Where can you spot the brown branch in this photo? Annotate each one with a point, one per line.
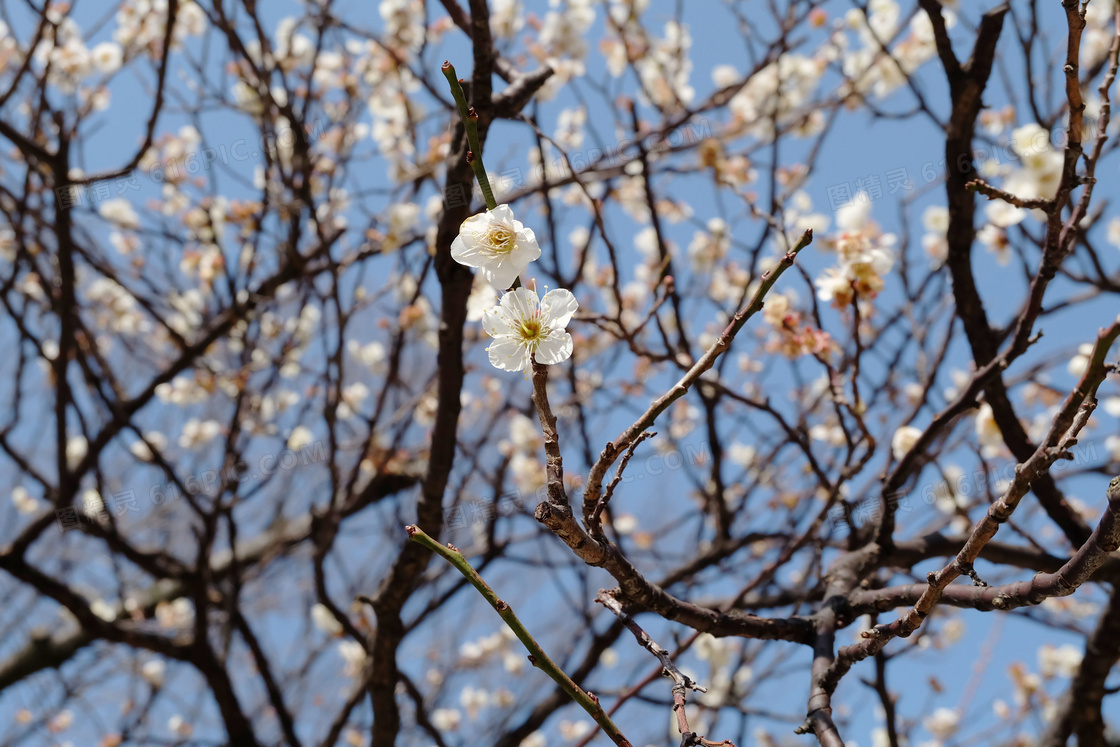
(681, 682)
(594, 521)
(1079, 708)
(1062, 435)
(455, 286)
(995, 193)
(966, 86)
(157, 107)
(722, 344)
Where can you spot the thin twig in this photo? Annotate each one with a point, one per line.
(470, 122)
(681, 682)
(594, 523)
(537, 656)
(720, 346)
(1071, 419)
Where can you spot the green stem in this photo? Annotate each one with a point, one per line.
(537, 656)
(470, 122)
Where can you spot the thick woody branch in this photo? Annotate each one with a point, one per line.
(1079, 708)
(941, 37)
(556, 512)
(455, 286)
(509, 103)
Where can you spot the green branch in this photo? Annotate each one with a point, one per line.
(537, 656)
(470, 122)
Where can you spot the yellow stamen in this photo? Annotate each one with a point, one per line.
(501, 239)
(531, 330)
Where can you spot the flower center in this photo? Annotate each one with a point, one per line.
(532, 331)
(500, 239)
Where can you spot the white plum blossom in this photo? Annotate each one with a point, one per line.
(177, 615)
(76, 448)
(526, 328)
(1063, 661)
(198, 433)
(935, 220)
(497, 244)
(107, 57)
(177, 725)
(400, 220)
(153, 672)
(506, 18)
(119, 211)
(709, 247)
(943, 723)
(482, 297)
(570, 731)
(299, 437)
(758, 106)
(353, 395)
(446, 719)
(904, 440)
(864, 252)
(625, 523)
(61, 722)
(404, 20)
(742, 454)
(24, 502)
(1112, 406)
(325, 620)
(354, 654)
(987, 431)
(1114, 232)
(141, 449)
(995, 238)
(372, 355)
(866, 66)
(1037, 177)
(1080, 362)
(1003, 214)
(473, 700)
(536, 739)
(103, 609)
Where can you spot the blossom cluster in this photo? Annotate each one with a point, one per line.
(865, 255)
(525, 327)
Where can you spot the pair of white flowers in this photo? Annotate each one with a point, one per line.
(524, 327)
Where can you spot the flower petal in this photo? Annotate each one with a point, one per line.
(502, 214)
(520, 303)
(496, 322)
(507, 354)
(475, 225)
(557, 347)
(502, 273)
(557, 308)
(527, 244)
(464, 253)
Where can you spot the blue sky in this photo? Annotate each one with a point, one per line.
(973, 672)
